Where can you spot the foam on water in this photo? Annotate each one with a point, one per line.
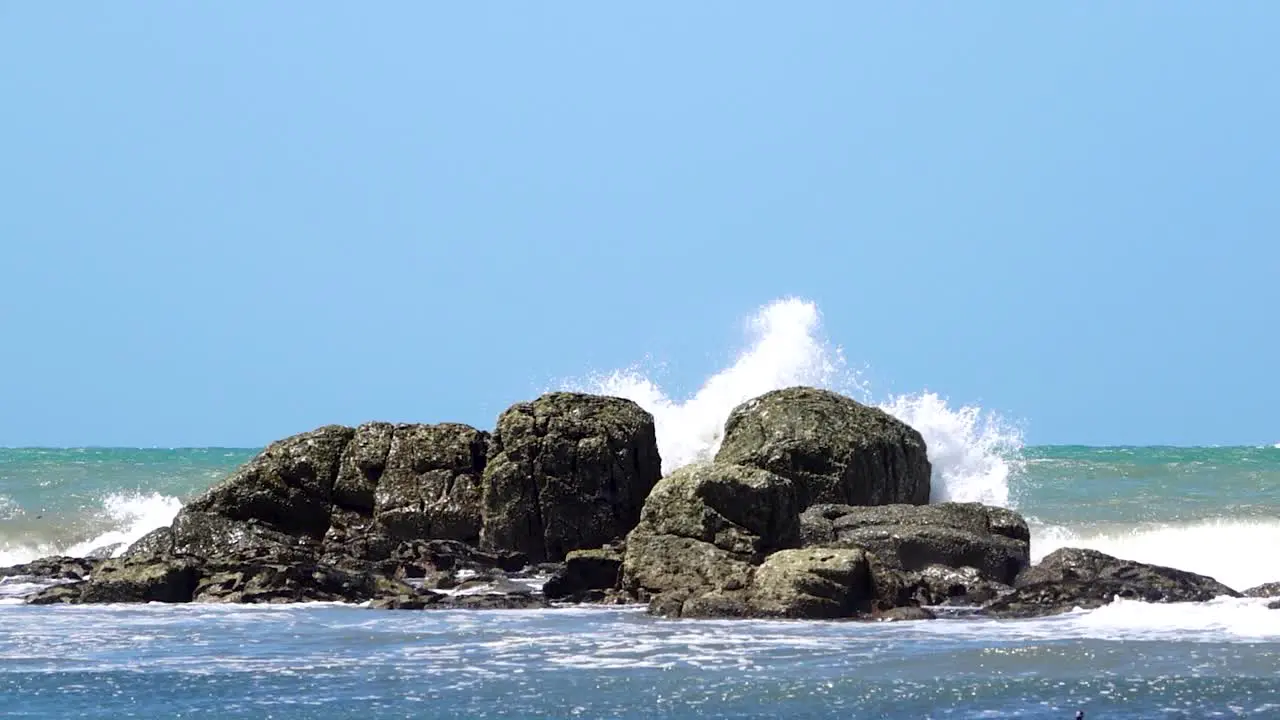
(130, 516)
(1217, 548)
(973, 452)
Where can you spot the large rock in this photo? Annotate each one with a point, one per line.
(704, 528)
(567, 471)
(1072, 578)
(994, 541)
(811, 583)
(358, 491)
(836, 449)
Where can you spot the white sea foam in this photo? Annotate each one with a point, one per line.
(1235, 552)
(973, 452)
(130, 516)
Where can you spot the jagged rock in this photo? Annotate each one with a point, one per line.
(811, 583)
(835, 449)
(363, 463)
(567, 471)
(911, 538)
(705, 527)
(431, 485)
(583, 573)
(1071, 577)
(58, 567)
(1266, 590)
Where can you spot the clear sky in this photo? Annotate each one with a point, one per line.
(222, 223)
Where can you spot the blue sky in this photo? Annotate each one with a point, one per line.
(224, 223)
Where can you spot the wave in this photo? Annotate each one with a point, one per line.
(126, 517)
(1234, 552)
(974, 452)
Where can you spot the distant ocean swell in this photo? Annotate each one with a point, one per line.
(1194, 509)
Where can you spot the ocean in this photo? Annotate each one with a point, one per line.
(1214, 511)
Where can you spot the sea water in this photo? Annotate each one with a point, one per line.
(1209, 510)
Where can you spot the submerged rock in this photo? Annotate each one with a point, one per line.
(567, 471)
(1072, 578)
(834, 448)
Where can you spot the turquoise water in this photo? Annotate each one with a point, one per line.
(1213, 510)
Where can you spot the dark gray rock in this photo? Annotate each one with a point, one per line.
(567, 471)
(834, 448)
(583, 573)
(1072, 577)
(58, 567)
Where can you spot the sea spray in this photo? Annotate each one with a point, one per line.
(128, 516)
(973, 452)
(784, 350)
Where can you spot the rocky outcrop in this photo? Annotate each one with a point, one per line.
(567, 471)
(703, 530)
(1072, 578)
(834, 448)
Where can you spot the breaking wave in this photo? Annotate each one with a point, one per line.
(974, 452)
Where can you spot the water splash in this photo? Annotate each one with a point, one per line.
(129, 515)
(973, 452)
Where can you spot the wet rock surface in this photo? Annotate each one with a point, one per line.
(1076, 578)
